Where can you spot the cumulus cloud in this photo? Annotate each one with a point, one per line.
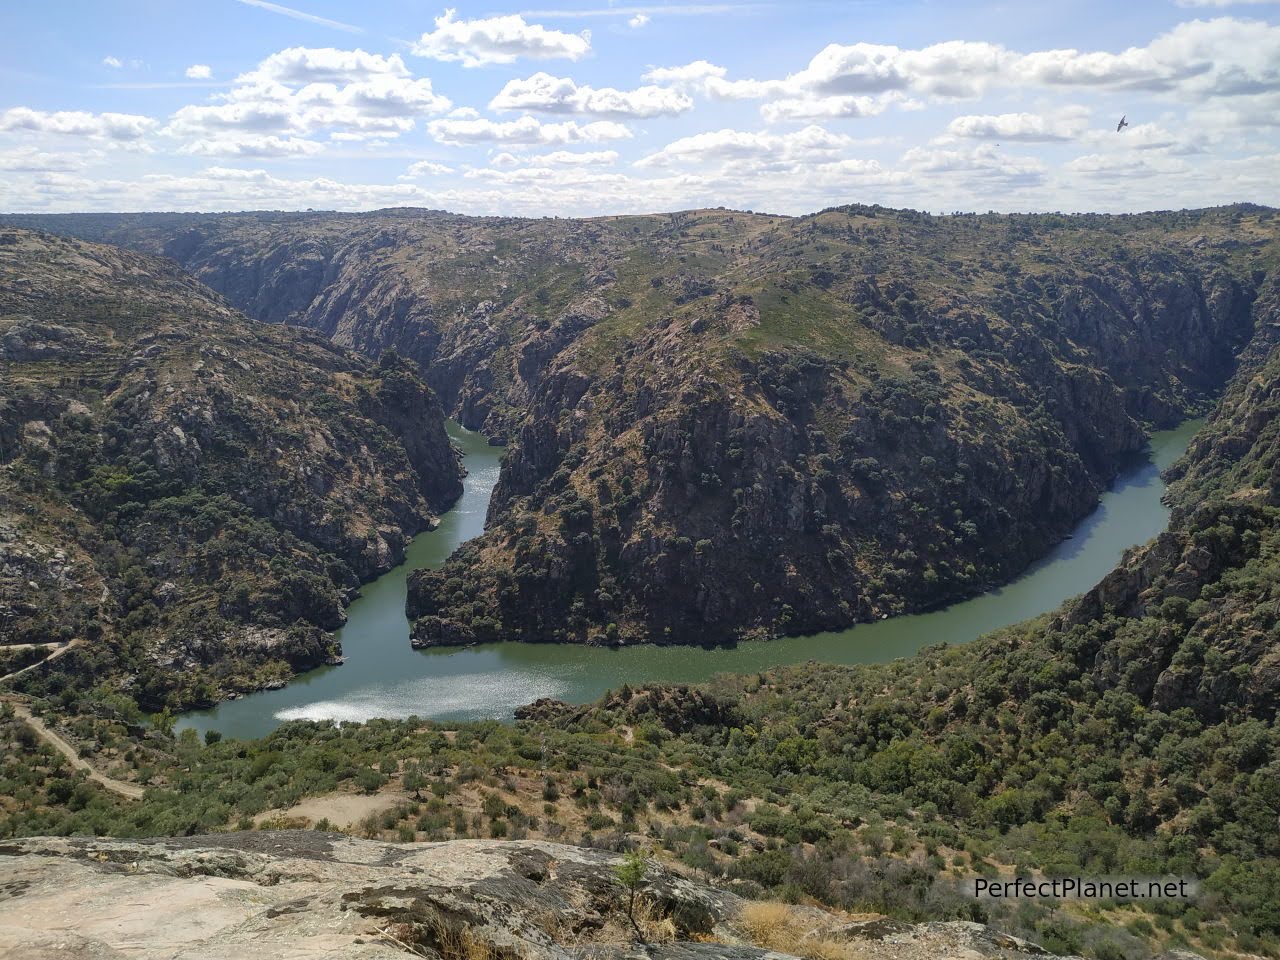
(115, 63)
(121, 127)
(816, 108)
(638, 21)
(525, 130)
(504, 39)
(302, 65)
(1113, 167)
(809, 145)
(251, 147)
(1194, 61)
(558, 158)
(693, 74)
(1068, 123)
(199, 71)
(544, 93)
(425, 168)
(981, 163)
(300, 91)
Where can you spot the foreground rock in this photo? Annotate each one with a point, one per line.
(296, 894)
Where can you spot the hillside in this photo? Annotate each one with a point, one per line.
(725, 424)
(188, 498)
(1134, 731)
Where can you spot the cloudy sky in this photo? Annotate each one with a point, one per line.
(583, 108)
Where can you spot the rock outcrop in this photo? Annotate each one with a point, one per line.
(300, 894)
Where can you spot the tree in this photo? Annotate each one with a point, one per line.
(413, 779)
(631, 872)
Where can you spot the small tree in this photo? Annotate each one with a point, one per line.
(413, 779)
(631, 873)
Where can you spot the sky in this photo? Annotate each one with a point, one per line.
(583, 107)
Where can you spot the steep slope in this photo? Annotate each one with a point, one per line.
(186, 495)
(726, 424)
(875, 419)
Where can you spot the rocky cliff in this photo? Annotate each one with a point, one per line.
(188, 496)
(297, 894)
(726, 424)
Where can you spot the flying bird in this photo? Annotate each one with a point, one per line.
(1122, 124)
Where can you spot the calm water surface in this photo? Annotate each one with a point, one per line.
(385, 677)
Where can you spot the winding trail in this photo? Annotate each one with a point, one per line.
(59, 649)
(130, 791)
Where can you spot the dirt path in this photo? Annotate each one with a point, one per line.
(61, 649)
(130, 791)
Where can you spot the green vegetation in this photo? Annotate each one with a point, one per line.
(1133, 731)
(189, 498)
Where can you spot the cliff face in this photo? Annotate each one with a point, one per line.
(740, 469)
(188, 495)
(723, 424)
(293, 894)
(1189, 620)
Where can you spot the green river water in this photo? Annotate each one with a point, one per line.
(384, 677)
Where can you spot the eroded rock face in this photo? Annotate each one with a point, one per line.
(304, 894)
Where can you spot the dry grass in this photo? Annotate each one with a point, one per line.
(776, 926)
(655, 927)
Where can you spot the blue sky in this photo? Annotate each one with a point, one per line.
(574, 108)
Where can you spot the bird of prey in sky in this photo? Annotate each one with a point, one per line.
(1122, 124)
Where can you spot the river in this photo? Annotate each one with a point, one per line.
(384, 677)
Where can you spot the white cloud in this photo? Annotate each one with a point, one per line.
(115, 63)
(29, 160)
(1119, 167)
(199, 71)
(1067, 123)
(525, 130)
(300, 91)
(1148, 137)
(78, 123)
(303, 65)
(693, 74)
(638, 21)
(544, 93)
(1194, 61)
(502, 39)
(251, 147)
(558, 158)
(425, 168)
(812, 144)
(982, 163)
(815, 108)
